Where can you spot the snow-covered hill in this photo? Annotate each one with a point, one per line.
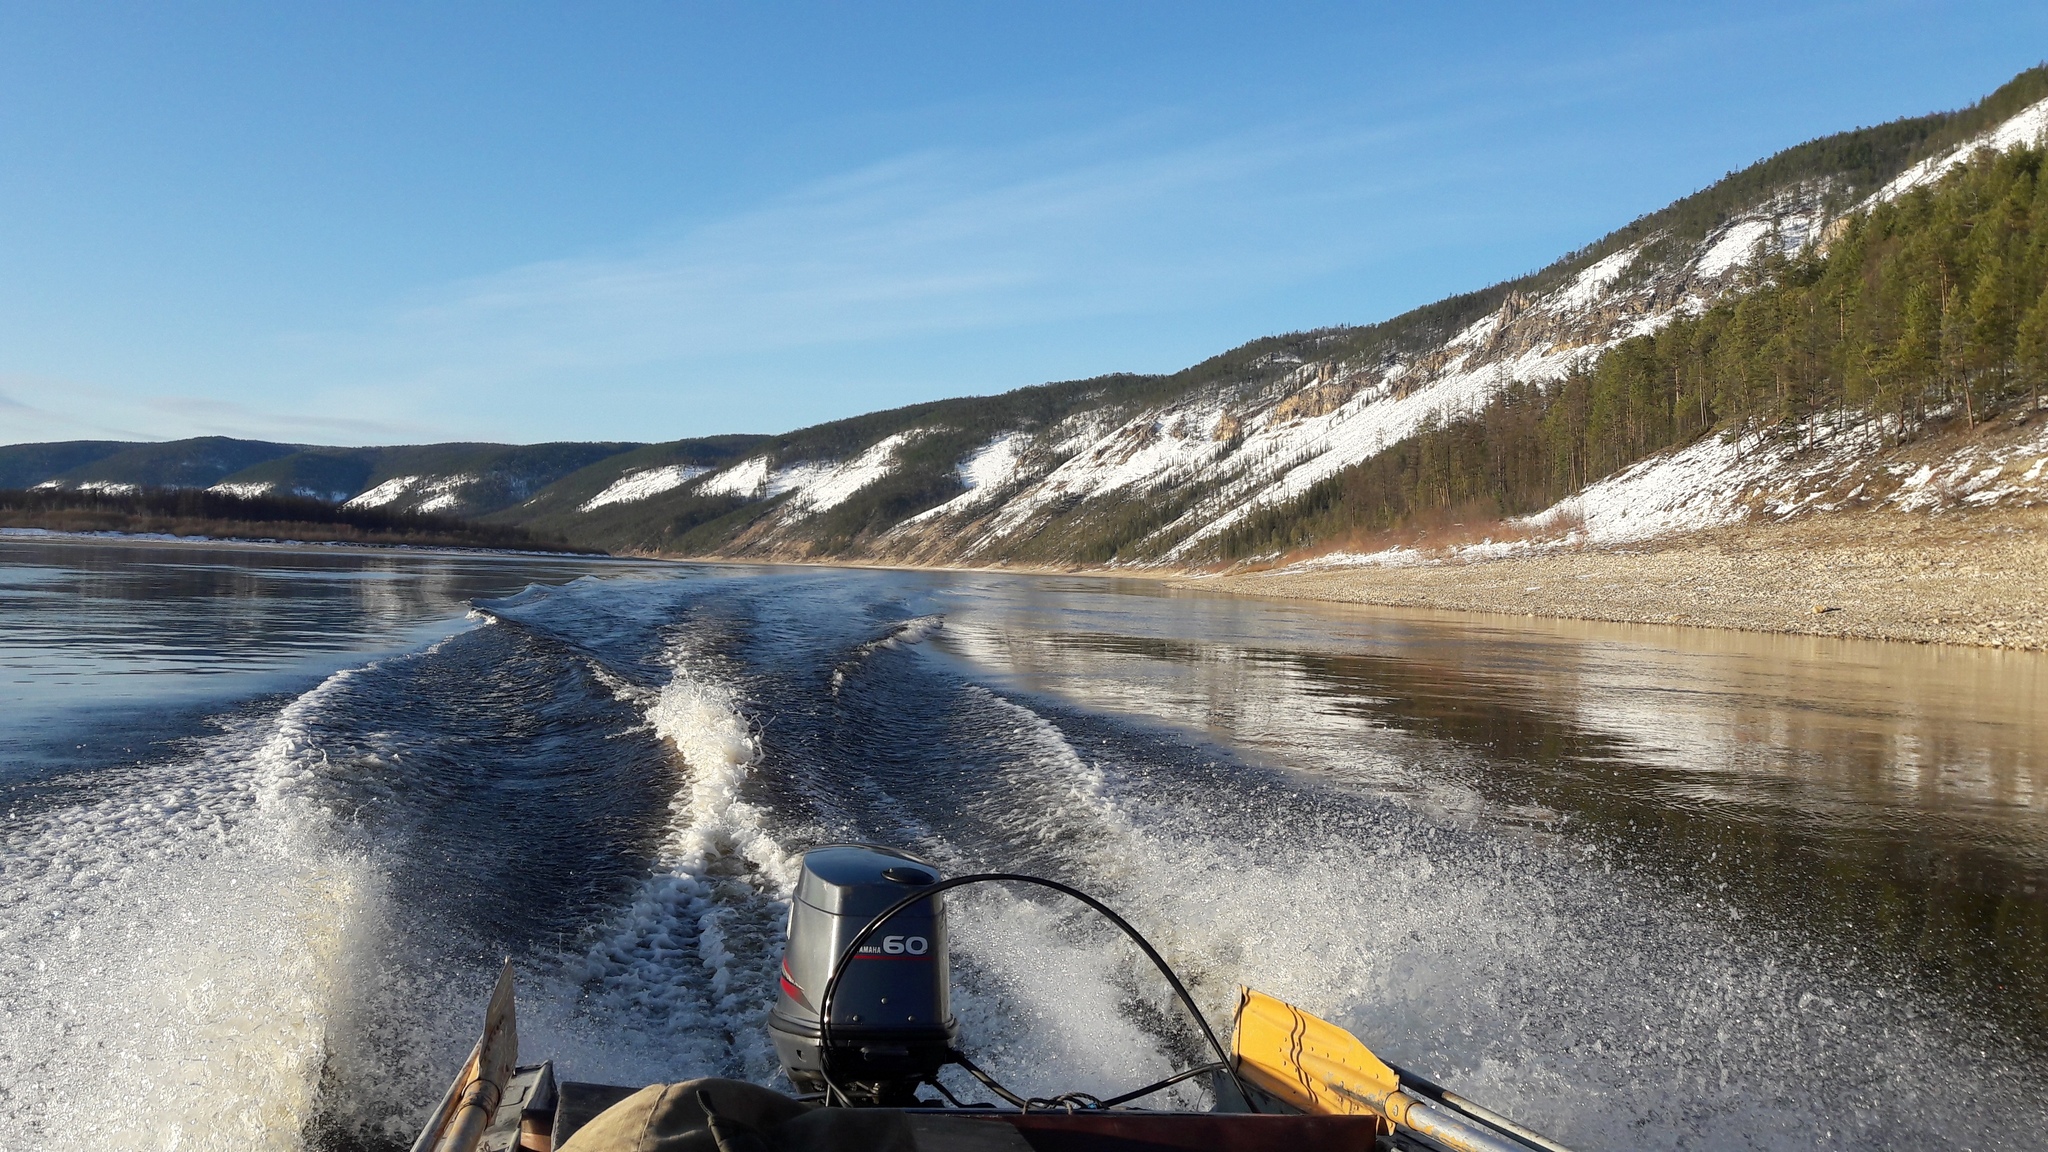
(1171, 475)
(447, 479)
(1162, 469)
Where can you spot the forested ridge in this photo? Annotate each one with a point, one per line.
(202, 512)
(1926, 312)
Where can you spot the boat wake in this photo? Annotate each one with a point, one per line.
(175, 949)
(684, 971)
(278, 934)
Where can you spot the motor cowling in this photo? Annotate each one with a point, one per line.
(892, 1014)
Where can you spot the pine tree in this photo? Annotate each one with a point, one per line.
(2033, 348)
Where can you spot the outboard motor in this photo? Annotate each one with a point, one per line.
(892, 1014)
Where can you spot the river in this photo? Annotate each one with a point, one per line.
(270, 817)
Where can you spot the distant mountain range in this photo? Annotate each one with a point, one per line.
(1171, 469)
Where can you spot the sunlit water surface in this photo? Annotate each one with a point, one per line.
(270, 817)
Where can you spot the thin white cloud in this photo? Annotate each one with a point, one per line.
(708, 316)
(64, 410)
(941, 241)
(68, 410)
(218, 417)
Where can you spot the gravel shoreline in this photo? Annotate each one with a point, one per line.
(1978, 579)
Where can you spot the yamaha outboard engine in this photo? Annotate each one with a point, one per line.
(892, 1014)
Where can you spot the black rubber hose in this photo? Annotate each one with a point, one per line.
(875, 925)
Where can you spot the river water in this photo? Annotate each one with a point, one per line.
(270, 817)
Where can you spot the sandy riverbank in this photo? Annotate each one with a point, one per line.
(1980, 579)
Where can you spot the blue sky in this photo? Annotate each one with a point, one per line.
(376, 224)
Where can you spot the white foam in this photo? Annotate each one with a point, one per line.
(1538, 973)
(1043, 990)
(176, 949)
(689, 961)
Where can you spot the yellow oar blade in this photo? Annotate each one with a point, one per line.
(1313, 1066)
(1310, 1064)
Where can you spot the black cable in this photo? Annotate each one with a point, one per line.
(1071, 1101)
(1091, 1102)
(948, 1094)
(846, 959)
(974, 1070)
(1169, 1082)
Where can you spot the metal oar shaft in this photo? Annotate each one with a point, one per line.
(479, 1104)
(1430, 1089)
(429, 1136)
(1448, 1128)
(472, 1101)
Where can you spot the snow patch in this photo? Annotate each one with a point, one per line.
(441, 493)
(1374, 420)
(824, 486)
(1384, 558)
(996, 463)
(1716, 482)
(384, 493)
(987, 472)
(2028, 129)
(1696, 487)
(1079, 431)
(748, 479)
(1164, 446)
(1592, 283)
(246, 489)
(818, 485)
(1502, 549)
(1477, 333)
(643, 484)
(1733, 248)
(1404, 556)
